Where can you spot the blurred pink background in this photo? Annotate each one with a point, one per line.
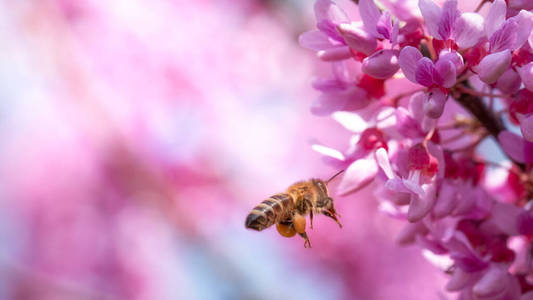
(137, 135)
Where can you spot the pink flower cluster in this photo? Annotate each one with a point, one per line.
(464, 77)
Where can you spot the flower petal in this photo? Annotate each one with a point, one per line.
(328, 16)
(527, 296)
(416, 105)
(449, 15)
(384, 25)
(493, 66)
(406, 125)
(526, 73)
(447, 72)
(409, 56)
(329, 152)
(316, 40)
(357, 175)
(419, 207)
(327, 103)
(509, 82)
(357, 38)
(469, 29)
(460, 279)
(513, 145)
(446, 200)
(504, 216)
(335, 53)
(496, 16)
(521, 4)
(432, 15)
(455, 57)
(504, 37)
(434, 106)
(408, 234)
(412, 183)
(493, 283)
(525, 223)
(425, 72)
(524, 19)
(370, 15)
(526, 127)
(382, 64)
(350, 121)
(395, 32)
(400, 190)
(328, 85)
(382, 158)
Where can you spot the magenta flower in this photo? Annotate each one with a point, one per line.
(462, 206)
(448, 23)
(504, 37)
(436, 76)
(339, 93)
(384, 63)
(419, 182)
(326, 40)
(359, 161)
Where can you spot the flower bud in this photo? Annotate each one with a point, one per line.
(493, 66)
(357, 38)
(382, 64)
(435, 102)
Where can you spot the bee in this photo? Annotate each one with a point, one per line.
(288, 210)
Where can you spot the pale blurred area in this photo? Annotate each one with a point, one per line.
(135, 136)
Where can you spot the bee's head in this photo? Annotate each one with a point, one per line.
(325, 205)
(322, 188)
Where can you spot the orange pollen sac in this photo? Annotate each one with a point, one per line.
(299, 223)
(285, 230)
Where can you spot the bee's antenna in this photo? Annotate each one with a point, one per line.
(332, 177)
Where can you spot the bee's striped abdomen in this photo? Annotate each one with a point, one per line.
(270, 211)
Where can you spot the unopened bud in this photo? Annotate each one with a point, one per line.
(493, 66)
(382, 64)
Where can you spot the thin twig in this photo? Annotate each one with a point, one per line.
(480, 5)
(479, 94)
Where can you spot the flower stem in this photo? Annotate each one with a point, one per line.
(479, 94)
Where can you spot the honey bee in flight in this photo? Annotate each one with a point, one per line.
(288, 210)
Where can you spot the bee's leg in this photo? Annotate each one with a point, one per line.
(311, 218)
(299, 225)
(307, 242)
(332, 214)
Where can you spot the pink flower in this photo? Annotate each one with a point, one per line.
(340, 93)
(504, 37)
(418, 183)
(326, 40)
(437, 76)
